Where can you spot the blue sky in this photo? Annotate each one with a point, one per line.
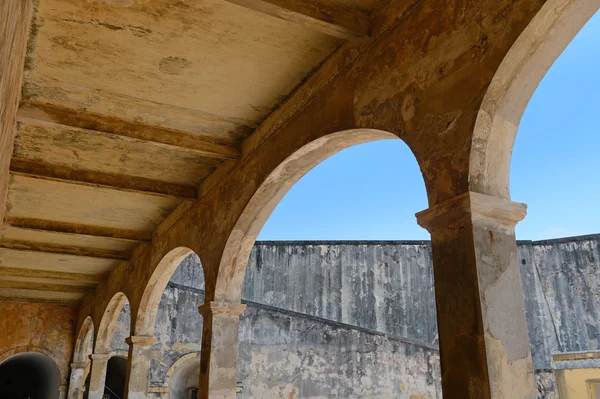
(372, 191)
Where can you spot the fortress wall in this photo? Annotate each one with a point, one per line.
(332, 305)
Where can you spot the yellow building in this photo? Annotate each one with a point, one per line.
(578, 375)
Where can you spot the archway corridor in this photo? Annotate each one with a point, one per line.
(137, 136)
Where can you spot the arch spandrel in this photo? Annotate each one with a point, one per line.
(513, 85)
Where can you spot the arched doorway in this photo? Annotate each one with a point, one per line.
(29, 375)
(183, 377)
(115, 377)
(114, 328)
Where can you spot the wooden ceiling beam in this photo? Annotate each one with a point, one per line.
(57, 297)
(119, 182)
(29, 173)
(334, 20)
(31, 273)
(66, 250)
(63, 227)
(34, 286)
(44, 115)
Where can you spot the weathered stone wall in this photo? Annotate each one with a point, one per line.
(383, 286)
(285, 354)
(39, 327)
(118, 343)
(561, 280)
(347, 318)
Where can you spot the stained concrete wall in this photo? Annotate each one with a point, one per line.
(284, 354)
(368, 307)
(561, 281)
(383, 286)
(118, 343)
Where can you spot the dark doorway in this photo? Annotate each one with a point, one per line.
(114, 387)
(29, 375)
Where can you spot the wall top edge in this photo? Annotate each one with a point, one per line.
(586, 237)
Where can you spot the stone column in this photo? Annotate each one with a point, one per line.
(218, 361)
(138, 366)
(62, 392)
(98, 375)
(484, 342)
(76, 381)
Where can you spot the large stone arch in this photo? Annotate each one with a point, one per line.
(108, 322)
(277, 183)
(26, 348)
(515, 81)
(147, 309)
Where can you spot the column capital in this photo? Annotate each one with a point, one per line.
(141, 340)
(100, 356)
(472, 206)
(78, 365)
(221, 308)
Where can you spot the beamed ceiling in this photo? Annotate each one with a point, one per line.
(127, 106)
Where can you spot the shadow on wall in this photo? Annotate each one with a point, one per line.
(115, 377)
(29, 375)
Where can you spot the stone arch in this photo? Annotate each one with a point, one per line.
(513, 85)
(48, 365)
(188, 364)
(84, 343)
(239, 245)
(26, 348)
(108, 322)
(148, 308)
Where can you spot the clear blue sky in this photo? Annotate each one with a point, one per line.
(372, 191)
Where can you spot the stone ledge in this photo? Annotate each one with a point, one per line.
(473, 206)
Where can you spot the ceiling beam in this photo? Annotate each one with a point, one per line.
(15, 17)
(63, 227)
(133, 183)
(58, 297)
(45, 115)
(31, 273)
(332, 19)
(48, 177)
(62, 249)
(35, 286)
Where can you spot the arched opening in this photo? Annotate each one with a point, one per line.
(182, 377)
(111, 341)
(545, 98)
(555, 148)
(239, 245)
(177, 324)
(115, 314)
(148, 309)
(80, 367)
(515, 81)
(29, 375)
(317, 311)
(85, 341)
(116, 370)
